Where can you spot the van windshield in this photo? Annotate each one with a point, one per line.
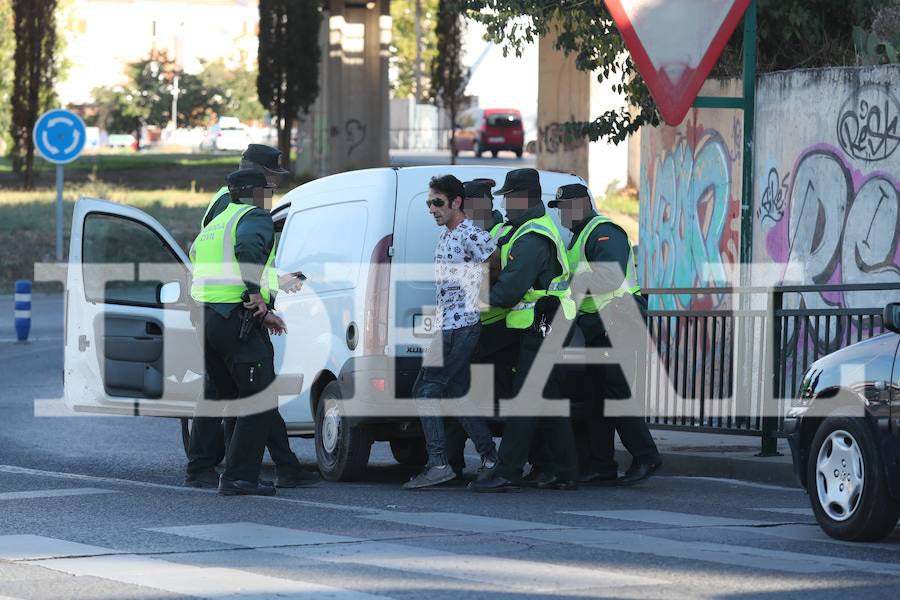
(503, 120)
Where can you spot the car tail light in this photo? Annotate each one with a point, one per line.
(377, 298)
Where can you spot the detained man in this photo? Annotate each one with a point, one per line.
(458, 258)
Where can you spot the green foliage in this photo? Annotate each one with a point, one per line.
(448, 75)
(7, 47)
(34, 24)
(812, 33)
(289, 54)
(403, 46)
(147, 97)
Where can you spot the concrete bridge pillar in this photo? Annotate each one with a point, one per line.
(348, 126)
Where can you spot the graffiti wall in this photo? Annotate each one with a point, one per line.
(690, 203)
(827, 174)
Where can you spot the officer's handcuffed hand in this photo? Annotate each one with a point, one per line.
(257, 305)
(274, 324)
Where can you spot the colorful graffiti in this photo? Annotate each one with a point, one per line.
(842, 227)
(690, 219)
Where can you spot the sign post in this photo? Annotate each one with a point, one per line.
(59, 135)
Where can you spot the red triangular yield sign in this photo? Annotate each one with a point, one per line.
(675, 44)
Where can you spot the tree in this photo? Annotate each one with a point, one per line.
(289, 55)
(7, 47)
(448, 76)
(403, 45)
(813, 33)
(232, 91)
(147, 96)
(34, 23)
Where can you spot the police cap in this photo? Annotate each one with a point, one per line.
(479, 188)
(243, 179)
(519, 180)
(572, 191)
(264, 156)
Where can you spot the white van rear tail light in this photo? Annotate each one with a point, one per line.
(377, 298)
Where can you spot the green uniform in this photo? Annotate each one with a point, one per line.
(601, 252)
(533, 265)
(207, 441)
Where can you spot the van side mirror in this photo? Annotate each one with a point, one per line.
(169, 293)
(892, 317)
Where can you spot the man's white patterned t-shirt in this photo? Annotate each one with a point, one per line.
(458, 260)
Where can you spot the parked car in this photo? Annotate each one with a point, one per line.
(358, 328)
(490, 130)
(844, 431)
(227, 134)
(120, 140)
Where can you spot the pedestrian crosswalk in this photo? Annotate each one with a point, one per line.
(477, 553)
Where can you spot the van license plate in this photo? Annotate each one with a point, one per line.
(423, 325)
(495, 140)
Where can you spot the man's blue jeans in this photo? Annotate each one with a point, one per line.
(447, 374)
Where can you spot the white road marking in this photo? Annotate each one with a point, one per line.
(727, 554)
(53, 493)
(460, 522)
(254, 535)
(154, 573)
(526, 575)
(663, 517)
(812, 533)
(34, 547)
(803, 512)
(753, 484)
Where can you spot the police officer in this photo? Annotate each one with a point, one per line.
(230, 256)
(207, 440)
(533, 268)
(601, 259)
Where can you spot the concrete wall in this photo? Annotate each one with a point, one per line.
(826, 179)
(690, 201)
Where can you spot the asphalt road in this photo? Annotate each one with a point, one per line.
(91, 507)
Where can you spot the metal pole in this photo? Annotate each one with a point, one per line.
(749, 113)
(175, 91)
(59, 213)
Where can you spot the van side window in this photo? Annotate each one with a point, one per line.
(326, 243)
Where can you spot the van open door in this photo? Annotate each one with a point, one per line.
(130, 346)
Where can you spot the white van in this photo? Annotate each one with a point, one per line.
(357, 327)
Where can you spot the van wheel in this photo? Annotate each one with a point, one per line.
(409, 451)
(186, 439)
(846, 482)
(342, 451)
(494, 153)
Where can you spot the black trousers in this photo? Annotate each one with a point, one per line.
(608, 382)
(235, 370)
(519, 432)
(208, 435)
(497, 346)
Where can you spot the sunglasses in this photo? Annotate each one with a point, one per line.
(438, 202)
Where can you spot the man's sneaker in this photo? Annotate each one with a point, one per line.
(240, 487)
(493, 483)
(208, 478)
(296, 478)
(599, 478)
(433, 475)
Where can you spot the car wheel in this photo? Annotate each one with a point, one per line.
(342, 451)
(847, 484)
(186, 439)
(409, 451)
(494, 153)
(519, 153)
(476, 148)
